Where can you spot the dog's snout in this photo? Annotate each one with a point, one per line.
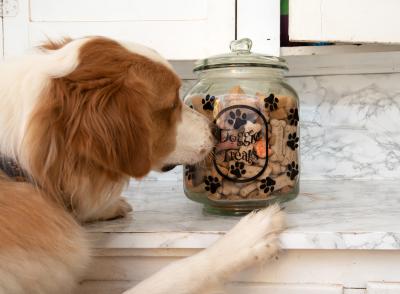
(168, 167)
(213, 140)
(216, 132)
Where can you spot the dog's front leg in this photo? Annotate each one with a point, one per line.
(253, 240)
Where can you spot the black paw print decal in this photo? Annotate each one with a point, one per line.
(293, 116)
(293, 170)
(189, 171)
(293, 141)
(237, 169)
(208, 102)
(237, 119)
(268, 185)
(212, 184)
(271, 102)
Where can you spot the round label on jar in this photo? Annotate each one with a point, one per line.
(241, 154)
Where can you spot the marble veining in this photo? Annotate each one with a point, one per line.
(350, 126)
(326, 215)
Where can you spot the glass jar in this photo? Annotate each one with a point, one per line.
(255, 112)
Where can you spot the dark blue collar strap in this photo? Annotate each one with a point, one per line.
(12, 169)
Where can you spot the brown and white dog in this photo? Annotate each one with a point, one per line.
(81, 117)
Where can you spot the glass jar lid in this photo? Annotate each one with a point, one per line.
(240, 56)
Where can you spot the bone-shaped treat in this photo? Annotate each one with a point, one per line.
(253, 195)
(278, 128)
(280, 113)
(233, 197)
(251, 171)
(286, 102)
(237, 96)
(255, 127)
(215, 196)
(267, 172)
(229, 188)
(282, 181)
(236, 90)
(246, 190)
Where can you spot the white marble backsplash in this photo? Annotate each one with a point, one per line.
(350, 127)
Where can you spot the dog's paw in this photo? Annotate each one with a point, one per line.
(120, 209)
(255, 239)
(123, 207)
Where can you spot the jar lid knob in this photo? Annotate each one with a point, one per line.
(241, 46)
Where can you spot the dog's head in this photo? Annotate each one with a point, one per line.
(118, 109)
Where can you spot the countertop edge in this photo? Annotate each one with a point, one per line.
(289, 240)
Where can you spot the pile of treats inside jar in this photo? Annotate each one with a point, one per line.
(280, 174)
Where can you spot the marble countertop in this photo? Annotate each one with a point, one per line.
(326, 215)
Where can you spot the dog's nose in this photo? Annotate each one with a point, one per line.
(168, 167)
(216, 133)
(213, 140)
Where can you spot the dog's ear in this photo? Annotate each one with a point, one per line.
(96, 116)
(114, 128)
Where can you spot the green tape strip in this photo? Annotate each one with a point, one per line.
(284, 7)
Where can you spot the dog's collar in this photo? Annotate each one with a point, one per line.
(12, 169)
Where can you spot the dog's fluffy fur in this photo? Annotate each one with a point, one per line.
(81, 117)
